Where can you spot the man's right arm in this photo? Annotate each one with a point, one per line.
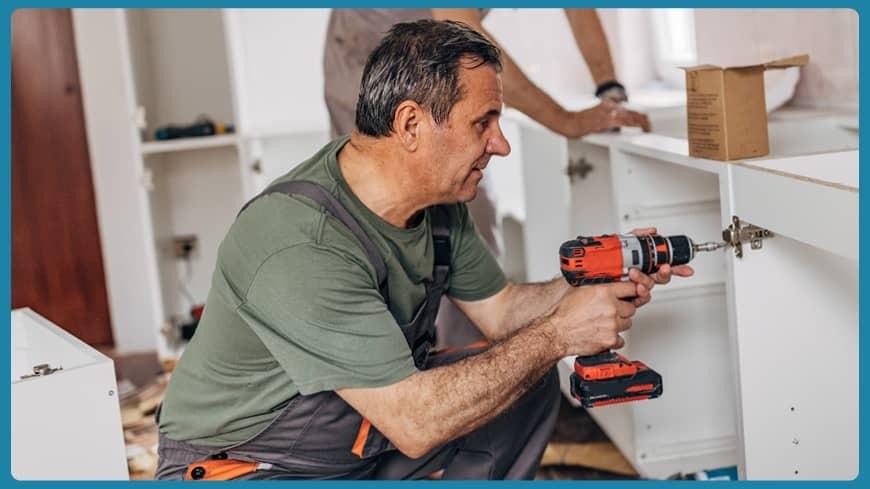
(435, 406)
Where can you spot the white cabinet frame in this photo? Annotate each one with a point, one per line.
(746, 345)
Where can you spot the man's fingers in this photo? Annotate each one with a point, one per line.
(682, 271)
(624, 290)
(625, 309)
(631, 118)
(623, 324)
(644, 282)
(620, 342)
(663, 274)
(643, 231)
(645, 123)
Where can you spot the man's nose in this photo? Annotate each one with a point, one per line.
(498, 145)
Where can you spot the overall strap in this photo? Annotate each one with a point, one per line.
(423, 335)
(441, 238)
(318, 194)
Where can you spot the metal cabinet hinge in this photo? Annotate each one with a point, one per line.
(578, 167)
(41, 370)
(738, 233)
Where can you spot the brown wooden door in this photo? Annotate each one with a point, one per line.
(57, 264)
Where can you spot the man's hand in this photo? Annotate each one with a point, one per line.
(604, 116)
(589, 319)
(644, 283)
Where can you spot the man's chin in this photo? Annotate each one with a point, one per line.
(468, 194)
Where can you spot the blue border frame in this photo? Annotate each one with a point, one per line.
(7, 8)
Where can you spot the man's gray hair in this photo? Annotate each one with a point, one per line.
(418, 61)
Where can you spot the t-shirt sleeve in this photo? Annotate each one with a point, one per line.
(318, 311)
(475, 274)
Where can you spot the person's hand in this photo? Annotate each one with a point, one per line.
(588, 319)
(644, 283)
(604, 116)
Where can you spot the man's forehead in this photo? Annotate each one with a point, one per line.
(480, 81)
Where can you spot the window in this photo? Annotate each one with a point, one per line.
(673, 32)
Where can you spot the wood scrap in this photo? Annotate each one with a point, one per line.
(140, 428)
(595, 455)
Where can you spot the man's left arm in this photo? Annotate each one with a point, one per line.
(515, 306)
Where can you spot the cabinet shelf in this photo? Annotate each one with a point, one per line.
(188, 144)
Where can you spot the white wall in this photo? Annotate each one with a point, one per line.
(173, 89)
(829, 36)
(541, 42)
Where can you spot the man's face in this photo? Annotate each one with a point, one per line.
(462, 146)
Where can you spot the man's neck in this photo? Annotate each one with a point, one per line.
(374, 173)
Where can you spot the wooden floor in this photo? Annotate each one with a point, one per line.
(578, 449)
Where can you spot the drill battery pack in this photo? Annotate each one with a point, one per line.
(610, 378)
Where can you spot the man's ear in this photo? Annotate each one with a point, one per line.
(408, 124)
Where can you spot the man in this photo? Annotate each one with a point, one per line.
(351, 36)
(312, 359)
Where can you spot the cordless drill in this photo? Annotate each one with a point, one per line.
(610, 378)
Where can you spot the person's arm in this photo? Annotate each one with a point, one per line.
(592, 42)
(523, 95)
(515, 306)
(519, 92)
(432, 407)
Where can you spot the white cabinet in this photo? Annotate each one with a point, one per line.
(142, 69)
(740, 344)
(794, 316)
(66, 423)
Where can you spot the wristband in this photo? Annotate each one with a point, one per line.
(611, 85)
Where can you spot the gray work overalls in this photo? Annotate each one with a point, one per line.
(320, 436)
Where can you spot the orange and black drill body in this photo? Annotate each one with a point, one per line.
(610, 378)
(607, 258)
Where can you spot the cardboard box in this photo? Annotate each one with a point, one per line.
(725, 108)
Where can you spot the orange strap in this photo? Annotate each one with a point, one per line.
(360, 444)
(471, 346)
(219, 470)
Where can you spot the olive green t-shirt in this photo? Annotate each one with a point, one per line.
(294, 307)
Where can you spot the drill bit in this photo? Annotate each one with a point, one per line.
(709, 246)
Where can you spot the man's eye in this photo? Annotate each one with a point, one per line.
(483, 124)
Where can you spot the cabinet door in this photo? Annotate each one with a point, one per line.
(683, 332)
(276, 58)
(793, 311)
